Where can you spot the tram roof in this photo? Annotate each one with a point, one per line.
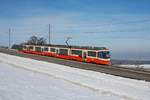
(74, 46)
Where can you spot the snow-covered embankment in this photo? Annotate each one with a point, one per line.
(99, 82)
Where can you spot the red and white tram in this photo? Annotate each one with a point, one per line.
(98, 55)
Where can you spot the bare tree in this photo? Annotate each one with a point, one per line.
(36, 41)
(41, 41)
(32, 40)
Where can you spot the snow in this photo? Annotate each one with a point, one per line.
(25, 85)
(28, 79)
(142, 66)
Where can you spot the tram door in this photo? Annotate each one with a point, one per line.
(57, 51)
(42, 49)
(84, 56)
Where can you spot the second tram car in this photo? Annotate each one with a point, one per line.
(98, 55)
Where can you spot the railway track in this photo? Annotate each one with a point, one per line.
(113, 70)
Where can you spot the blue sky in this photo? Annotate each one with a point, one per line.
(121, 25)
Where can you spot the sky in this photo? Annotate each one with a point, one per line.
(123, 26)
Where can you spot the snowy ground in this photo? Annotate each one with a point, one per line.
(143, 66)
(28, 79)
(25, 85)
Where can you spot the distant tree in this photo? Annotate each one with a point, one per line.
(33, 40)
(6, 47)
(36, 41)
(41, 41)
(17, 46)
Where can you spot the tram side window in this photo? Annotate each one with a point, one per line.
(24, 47)
(30, 47)
(104, 54)
(46, 49)
(92, 53)
(38, 49)
(63, 51)
(76, 52)
(52, 49)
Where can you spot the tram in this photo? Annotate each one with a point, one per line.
(97, 55)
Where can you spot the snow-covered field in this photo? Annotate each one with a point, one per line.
(142, 66)
(28, 79)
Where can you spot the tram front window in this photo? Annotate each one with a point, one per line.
(104, 54)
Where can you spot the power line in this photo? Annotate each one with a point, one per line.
(110, 23)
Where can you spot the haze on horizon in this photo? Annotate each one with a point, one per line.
(121, 25)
